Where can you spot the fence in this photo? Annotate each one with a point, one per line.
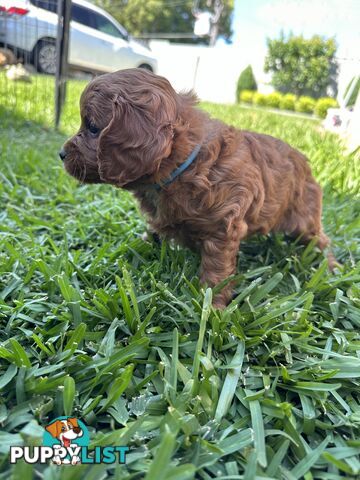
(33, 51)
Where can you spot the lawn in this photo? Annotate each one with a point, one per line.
(98, 324)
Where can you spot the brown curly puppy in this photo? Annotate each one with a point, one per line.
(135, 133)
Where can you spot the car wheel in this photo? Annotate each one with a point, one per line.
(146, 67)
(45, 57)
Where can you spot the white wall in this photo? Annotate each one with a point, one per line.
(211, 71)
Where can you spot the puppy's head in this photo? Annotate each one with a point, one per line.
(68, 429)
(127, 128)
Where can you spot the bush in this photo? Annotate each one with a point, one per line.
(247, 96)
(323, 104)
(353, 97)
(305, 104)
(259, 99)
(246, 82)
(288, 101)
(302, 66)
(273, 99)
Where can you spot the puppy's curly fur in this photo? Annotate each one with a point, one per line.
(136, 130)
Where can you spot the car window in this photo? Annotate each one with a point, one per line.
(82, 15)
(49, 5)
(104, 25)
(85, 17)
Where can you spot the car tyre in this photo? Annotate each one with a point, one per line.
(145, 66)
(45, 57)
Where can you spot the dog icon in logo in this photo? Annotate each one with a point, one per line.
(66, 431)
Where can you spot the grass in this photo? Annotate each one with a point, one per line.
(99, 324)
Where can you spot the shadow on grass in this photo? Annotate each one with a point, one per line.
(35, 101)
(15, 120)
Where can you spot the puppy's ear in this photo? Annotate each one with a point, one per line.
(188, 98)
(133, 143)
(54, 428)
(73, 422)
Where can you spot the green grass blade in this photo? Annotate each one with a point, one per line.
(159, 467)
(304, 466)
(259, 432)
(22, 359)
(68, 395)
(198, 351)
(230, 383)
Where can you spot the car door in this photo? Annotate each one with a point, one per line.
(85, 47)
(96, 43)
(116, 52)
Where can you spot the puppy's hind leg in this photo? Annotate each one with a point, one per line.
(218, 259)
(305, 222)
(323, 242)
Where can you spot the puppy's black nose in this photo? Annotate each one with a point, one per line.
(62, 154)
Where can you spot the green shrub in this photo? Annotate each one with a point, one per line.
(305, 104)
(302, 66)
(247, 96)
(323, 104)
(246, 82)
(259, 99)
(287, 102)
(353, 97)
(273, 99)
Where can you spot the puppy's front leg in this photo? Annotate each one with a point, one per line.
(218, 259)
(151, 236)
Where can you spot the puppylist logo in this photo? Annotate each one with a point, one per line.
(66, 442)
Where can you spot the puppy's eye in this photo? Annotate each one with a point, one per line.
(93, 129)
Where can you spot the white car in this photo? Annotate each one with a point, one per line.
(98, 43)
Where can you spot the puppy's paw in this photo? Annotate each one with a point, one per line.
(332, 262)
(220, 302)
(151, 237)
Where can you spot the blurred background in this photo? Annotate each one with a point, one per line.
(299, 57)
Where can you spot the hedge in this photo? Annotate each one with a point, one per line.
(305, 105)
(259, 99)
(273, 99)
(289, 102)
(323, 104)
(247, 96)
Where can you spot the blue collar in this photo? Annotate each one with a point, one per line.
(180, 169)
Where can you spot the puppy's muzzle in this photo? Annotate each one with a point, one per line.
(62, 154)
